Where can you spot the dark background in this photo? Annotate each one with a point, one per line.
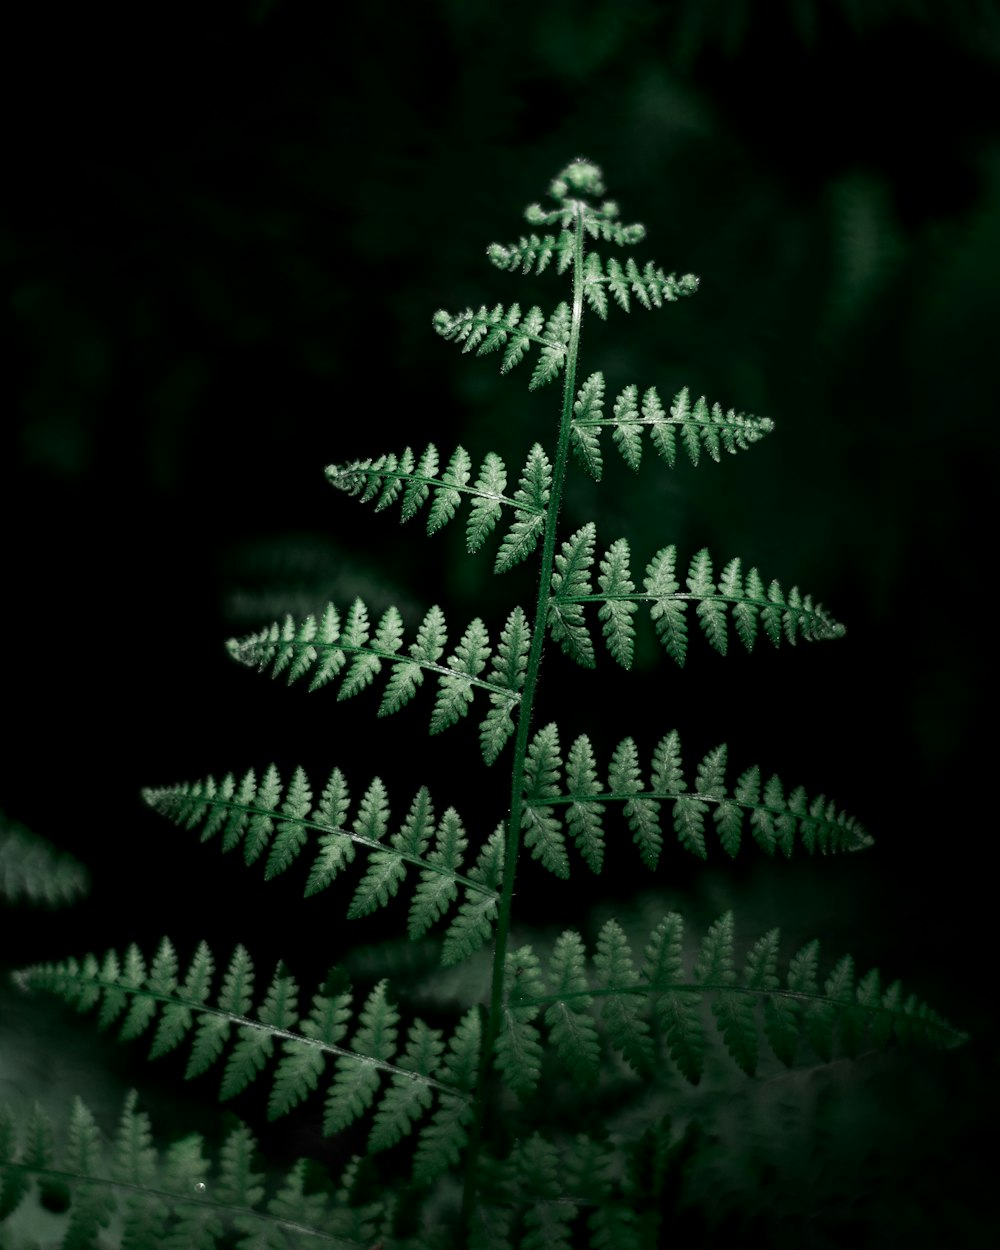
(224, 232)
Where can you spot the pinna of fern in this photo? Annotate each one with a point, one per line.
(178, 1199)
(560, 798)
(266, 815)
(322, 648)
(422, 1086)
(587, 1009)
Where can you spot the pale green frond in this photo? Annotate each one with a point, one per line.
(487, 329)
(437, 888)
(593, 287)
(570, 580)
(573, 793)
(455, 688)
(585, 815)
(699, 427)
(552, 357)
(32, 870)
(323, 649)
(666, 607)
(585, 431)
(791, 616)
(387, 868)
(411, 483)
(531, 501)
(542, 829)
(509, 666)
(533, 253)
(618, 609)
(473, 924)
(303, 1062)
(642, 813)
(650, 285)
(333, 836)
(306, 1047)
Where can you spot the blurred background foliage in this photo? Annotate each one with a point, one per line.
(224, 232)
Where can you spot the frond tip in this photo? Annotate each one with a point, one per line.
(323, 647)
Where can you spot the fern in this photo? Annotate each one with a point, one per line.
(175, 1200)
(519, 1108)
(32, 870)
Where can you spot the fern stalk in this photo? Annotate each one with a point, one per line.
(521, 736)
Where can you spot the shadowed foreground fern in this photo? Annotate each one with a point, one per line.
(533, 1115)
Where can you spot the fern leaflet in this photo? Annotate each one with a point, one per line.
(123, 988)
(790, 616)
(489, 329)
(323, 647)
(661, 1004)
(698, 427)
(253, 813)
(411, 483)
(175, 1199)
(776, 822)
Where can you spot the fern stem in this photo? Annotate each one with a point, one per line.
(513, 839)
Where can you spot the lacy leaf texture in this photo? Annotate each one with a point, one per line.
(525, 1106)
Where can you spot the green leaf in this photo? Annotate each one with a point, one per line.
(357, 1075)
(571, 577)
(542, 828)
(584, 437)
(617, 613)
(530, 504)
(667, 613)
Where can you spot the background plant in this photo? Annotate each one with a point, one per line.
(529, 1163)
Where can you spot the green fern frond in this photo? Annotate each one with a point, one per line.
(790, 616)
(323, 648)
(412, 482)
(532, 253)
(32, 870)
(122, 989)
(660, 1006)
(489, 329)
(574, 793)
(650, 285)
(254, 813)
(698, 428)
(174, 1199)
